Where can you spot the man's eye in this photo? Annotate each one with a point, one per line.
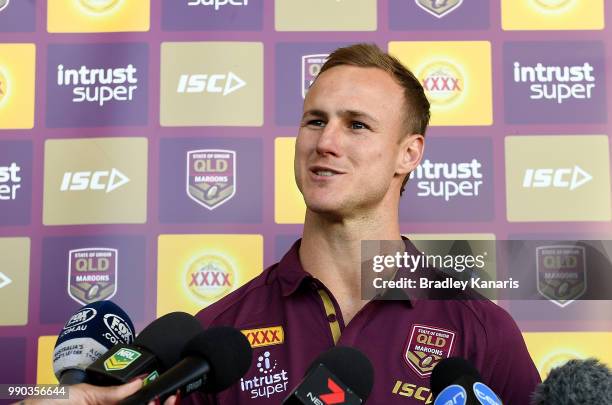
(316, 123)
(358, 125)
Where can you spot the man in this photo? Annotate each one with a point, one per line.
(361, 134)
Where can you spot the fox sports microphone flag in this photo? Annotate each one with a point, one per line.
(86, 336)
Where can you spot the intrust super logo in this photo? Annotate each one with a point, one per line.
(456, 77)
(558, 178)
(98, 180)
(546, 82)
(88, 83)
(100, 86)
(447, 180)
(217, 4)
(269, 380)
(454, 179)
(225, 77)
(209, 277)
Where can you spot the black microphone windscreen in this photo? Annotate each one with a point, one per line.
(351, 367)
(167, 336)
(228, 353)
(576, 382)
(448, 371)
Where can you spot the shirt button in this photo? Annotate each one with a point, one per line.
(332, 318)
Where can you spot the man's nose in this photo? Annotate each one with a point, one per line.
(330, 140)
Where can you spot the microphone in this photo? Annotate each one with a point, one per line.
(212, 361)
(87, 335)
(576, 382)
(456, 381)
(157, 348)
(341, 375)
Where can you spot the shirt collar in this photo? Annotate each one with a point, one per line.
(291, 274)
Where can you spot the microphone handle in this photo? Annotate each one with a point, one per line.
(73, 376)
(188, 375)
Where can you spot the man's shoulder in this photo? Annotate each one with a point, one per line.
(250, 299)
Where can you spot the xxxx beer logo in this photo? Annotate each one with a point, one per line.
(210, 277)
(99, 6)
(3, 87)
(552, 5)
(426, 347)
(271, 336)
(443, 82)
(211, 176)
(121, 359)
(561, 273)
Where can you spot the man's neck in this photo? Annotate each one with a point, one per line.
(331, 251)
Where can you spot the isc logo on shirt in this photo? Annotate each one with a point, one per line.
(558, 178)
(456, 76)
(273, 335)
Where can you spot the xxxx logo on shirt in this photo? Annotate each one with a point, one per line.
(426, 347)
(273, 335)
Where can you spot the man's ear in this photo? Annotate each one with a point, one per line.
(412, 147)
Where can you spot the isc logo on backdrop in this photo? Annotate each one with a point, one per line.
(95, 181)
(211, 83)
(551, 178)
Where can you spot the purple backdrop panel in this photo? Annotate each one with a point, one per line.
(15, 182)
(92, 85)
(212, 15)
(13, 355)
(282, 244)
(17, 15)
(211, 180)
(294, 64)
(555, 82)
(59, 256)
(453, 183)
(408, 15)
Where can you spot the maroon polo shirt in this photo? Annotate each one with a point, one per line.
(290, 318)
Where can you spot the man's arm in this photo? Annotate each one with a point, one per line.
(86, 394)
(512, 373)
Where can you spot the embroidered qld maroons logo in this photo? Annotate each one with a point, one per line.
(211, 176)
(92, 274)
(561, 273)
(426, 347)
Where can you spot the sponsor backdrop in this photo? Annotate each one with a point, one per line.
(146, 148)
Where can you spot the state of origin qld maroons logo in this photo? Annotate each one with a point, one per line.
(92, 274)
(426, 347)
(311, 66)
(211, 176)
(561, 272)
